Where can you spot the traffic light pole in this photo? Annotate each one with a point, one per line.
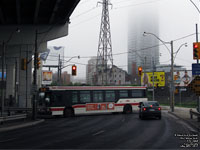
(197, 40)
(2, 79)
(34, 79)
(198, 100)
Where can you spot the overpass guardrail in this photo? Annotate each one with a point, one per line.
(194, 113)
(12, 117)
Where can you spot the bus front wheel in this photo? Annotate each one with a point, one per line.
(127, 109)
(68, 112)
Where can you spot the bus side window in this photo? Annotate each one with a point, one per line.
(110, 96)
(97, 96)
(57, 99)
(85, 97)
(137, 93)
(123, 94)
(74, 97)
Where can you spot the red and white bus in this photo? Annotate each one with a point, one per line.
(76, 100)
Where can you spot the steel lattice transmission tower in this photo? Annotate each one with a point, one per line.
(104, 54)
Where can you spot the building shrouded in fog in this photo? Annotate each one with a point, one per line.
(143, 19)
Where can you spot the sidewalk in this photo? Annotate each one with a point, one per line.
(184, 114)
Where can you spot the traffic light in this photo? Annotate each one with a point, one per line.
(23, 64)
(74, 70)
(196, 50)
(38, 62)
(140, 71)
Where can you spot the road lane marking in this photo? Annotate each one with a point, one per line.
(100, 132)
(8, 140)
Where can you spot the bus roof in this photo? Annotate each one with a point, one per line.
(94, 87)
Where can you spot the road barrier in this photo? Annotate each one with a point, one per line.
(194, 113)
(12, 117)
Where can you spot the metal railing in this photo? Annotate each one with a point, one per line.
(194, 113)
(12, 117)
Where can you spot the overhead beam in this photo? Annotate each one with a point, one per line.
(37, 8)
(71, 10)
(18, 8)
(54, 11)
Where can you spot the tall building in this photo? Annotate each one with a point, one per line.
(143, 19)
(91, 71)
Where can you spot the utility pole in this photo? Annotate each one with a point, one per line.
(153, 81)
(59, 71)
(104, 54)
(2, 79)
(35, 79)
(172, 77)
(26, 79)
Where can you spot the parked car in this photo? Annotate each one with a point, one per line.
(149, 109)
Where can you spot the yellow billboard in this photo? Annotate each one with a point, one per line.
(147, 79)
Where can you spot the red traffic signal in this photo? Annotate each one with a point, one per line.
(196, 50)
(140, 70)
(74, 70)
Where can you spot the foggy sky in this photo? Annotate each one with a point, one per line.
(177, 19)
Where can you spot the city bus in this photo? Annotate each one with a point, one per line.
(77, 100)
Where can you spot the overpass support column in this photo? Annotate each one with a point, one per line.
(10, 83)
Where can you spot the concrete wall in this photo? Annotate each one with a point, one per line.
(22, 45)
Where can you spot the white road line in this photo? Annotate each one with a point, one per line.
(8, 140)
(102, 131)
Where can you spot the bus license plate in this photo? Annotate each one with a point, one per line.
(151, 109)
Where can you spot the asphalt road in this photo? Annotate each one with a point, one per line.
(111, 131)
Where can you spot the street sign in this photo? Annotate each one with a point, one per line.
(195, 85)
(195, 69)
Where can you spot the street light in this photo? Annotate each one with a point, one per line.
(172, 66)
(184, 44)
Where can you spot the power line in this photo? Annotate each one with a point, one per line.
(166, 61)
(184, 60)
(91, 18)
(185, 37)
(86, 1)
(100, 14)
(137, 4)
(122, 1)
(83, 13)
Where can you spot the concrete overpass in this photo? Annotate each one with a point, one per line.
(19, 20)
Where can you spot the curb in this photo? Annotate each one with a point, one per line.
(188, 122)
(21, 125)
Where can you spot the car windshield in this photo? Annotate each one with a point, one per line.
(148, 104)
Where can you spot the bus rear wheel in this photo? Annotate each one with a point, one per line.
(127, 109)
(68, 112)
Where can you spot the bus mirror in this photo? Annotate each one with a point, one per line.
(47, 99)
